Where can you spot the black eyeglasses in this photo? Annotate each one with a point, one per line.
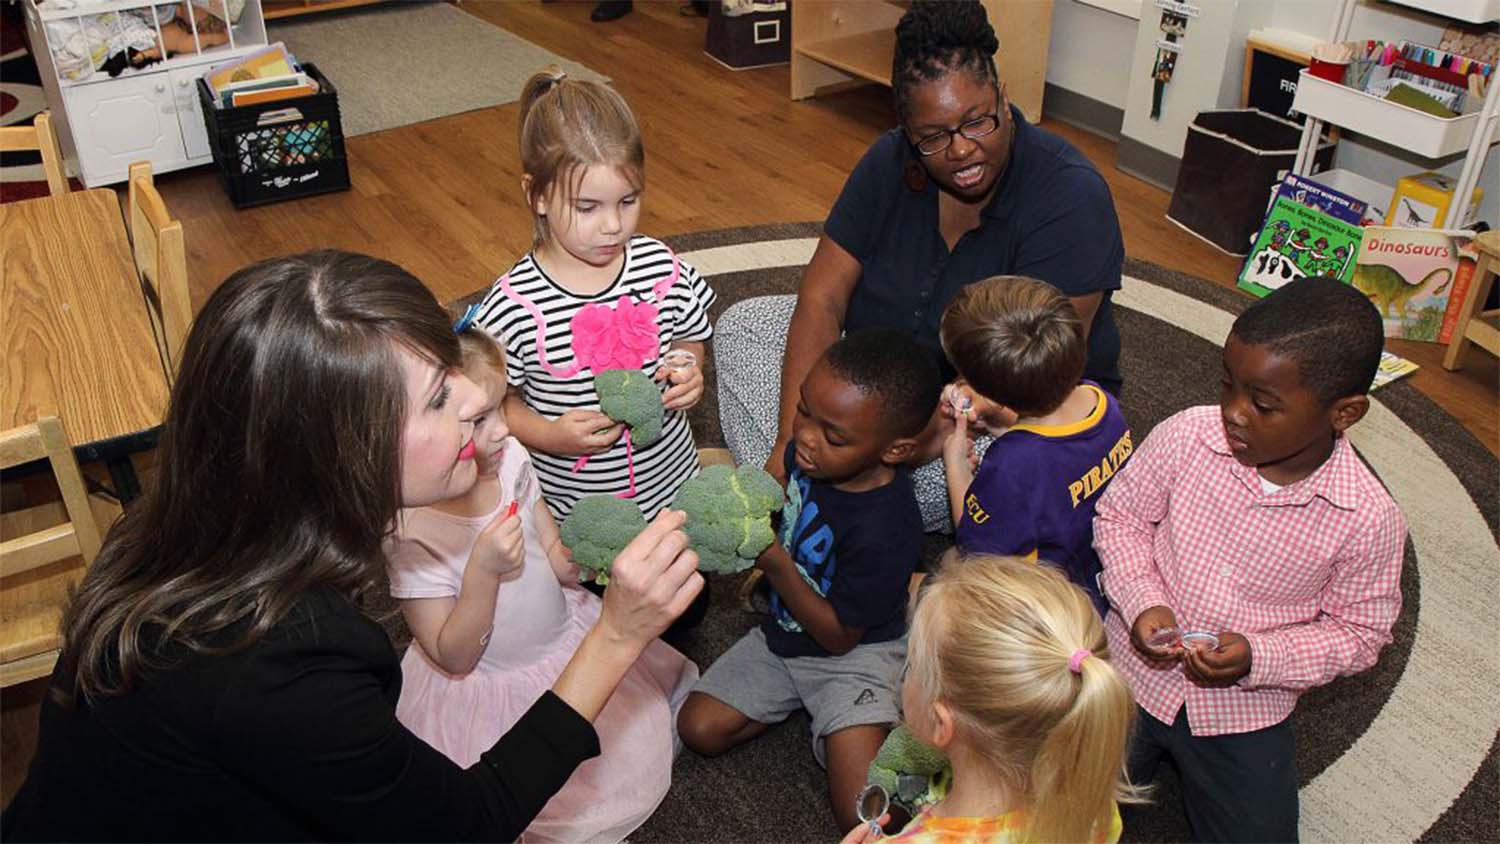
(971, 129)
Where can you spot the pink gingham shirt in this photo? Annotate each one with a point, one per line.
(1309, 574)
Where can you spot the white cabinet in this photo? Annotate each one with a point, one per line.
(184, 87)
(149, 113)
(120, 122)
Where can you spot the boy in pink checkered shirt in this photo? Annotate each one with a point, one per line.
(1254, 521)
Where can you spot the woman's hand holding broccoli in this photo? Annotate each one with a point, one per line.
(580, 432)
(651, 583)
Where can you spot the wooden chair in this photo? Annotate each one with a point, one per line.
(38, 136)
(161, 259)
(33, 588)
(1471, 325)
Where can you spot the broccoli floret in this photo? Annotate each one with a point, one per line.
(904, 753)
(629, 396)
(598, 529)
(912, 772)
(729, 515)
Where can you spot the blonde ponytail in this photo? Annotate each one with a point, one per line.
(1077, 775)
(995, 639)
(566, 125)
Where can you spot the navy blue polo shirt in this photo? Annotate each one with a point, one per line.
(1051, 218)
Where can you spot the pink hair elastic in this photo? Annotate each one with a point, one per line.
(1075, 662)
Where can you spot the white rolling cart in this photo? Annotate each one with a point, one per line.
(1412, 130)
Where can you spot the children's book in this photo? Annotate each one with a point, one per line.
(1317, 195)
(1295, 242)
(272, 94)
(273, 60)
(1417, 278)
(1392, 367)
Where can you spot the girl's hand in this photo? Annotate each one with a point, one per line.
(686, 386)
(651, 582)
(580, 432)
(501, 547)
(865, 832)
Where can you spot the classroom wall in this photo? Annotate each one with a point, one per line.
(1090, 51)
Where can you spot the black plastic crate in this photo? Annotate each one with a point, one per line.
(278, 150)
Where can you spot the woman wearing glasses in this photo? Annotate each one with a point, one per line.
(962, 190)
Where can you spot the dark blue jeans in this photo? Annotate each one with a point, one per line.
(1240, 787)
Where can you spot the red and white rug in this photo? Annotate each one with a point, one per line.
(21, 98)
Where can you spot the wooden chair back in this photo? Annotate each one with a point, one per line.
(40, 137)
(161, 259)
(32, 589)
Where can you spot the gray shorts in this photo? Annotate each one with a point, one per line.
(861, 687)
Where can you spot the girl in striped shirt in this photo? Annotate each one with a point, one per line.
(593, 295)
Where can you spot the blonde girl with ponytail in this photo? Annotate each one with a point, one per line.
(1008, 674)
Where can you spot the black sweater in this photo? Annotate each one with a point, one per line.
(293, 738)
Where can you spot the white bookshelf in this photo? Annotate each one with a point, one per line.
(151, 113)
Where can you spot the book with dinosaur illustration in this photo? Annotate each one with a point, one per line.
(1417, 278)
(1297, 241)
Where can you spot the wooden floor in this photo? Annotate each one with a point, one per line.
(723, 149)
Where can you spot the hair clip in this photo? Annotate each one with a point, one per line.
(467, 319)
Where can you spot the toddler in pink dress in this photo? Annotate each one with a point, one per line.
(464, 683)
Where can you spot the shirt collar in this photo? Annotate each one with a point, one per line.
(1334, 481)
(1003, 199)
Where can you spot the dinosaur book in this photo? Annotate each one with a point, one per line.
(1295, 242)
(1415, 277)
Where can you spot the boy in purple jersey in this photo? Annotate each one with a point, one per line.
(1019, 346)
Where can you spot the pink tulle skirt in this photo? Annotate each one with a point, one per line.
(608, 796)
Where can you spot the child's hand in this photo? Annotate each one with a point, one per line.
(1152, 621)
(501, 547)
(958, 448)
(580, 432)
(773, 557)
(1222, 666)
(686, 386)
(865, 832)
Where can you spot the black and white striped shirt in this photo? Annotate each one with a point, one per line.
(661, 467)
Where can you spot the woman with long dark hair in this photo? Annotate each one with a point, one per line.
(961, 190)
(217, 678)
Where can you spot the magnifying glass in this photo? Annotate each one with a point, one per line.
(870, 805)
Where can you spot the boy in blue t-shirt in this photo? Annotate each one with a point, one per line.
(851, 536)
(1019, 345)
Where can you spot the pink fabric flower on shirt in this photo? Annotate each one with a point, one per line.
(622, 337)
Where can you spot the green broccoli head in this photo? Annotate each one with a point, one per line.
(598, 529)
(729, 515)
(631, 397)
(904, 753)
(912, 772)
